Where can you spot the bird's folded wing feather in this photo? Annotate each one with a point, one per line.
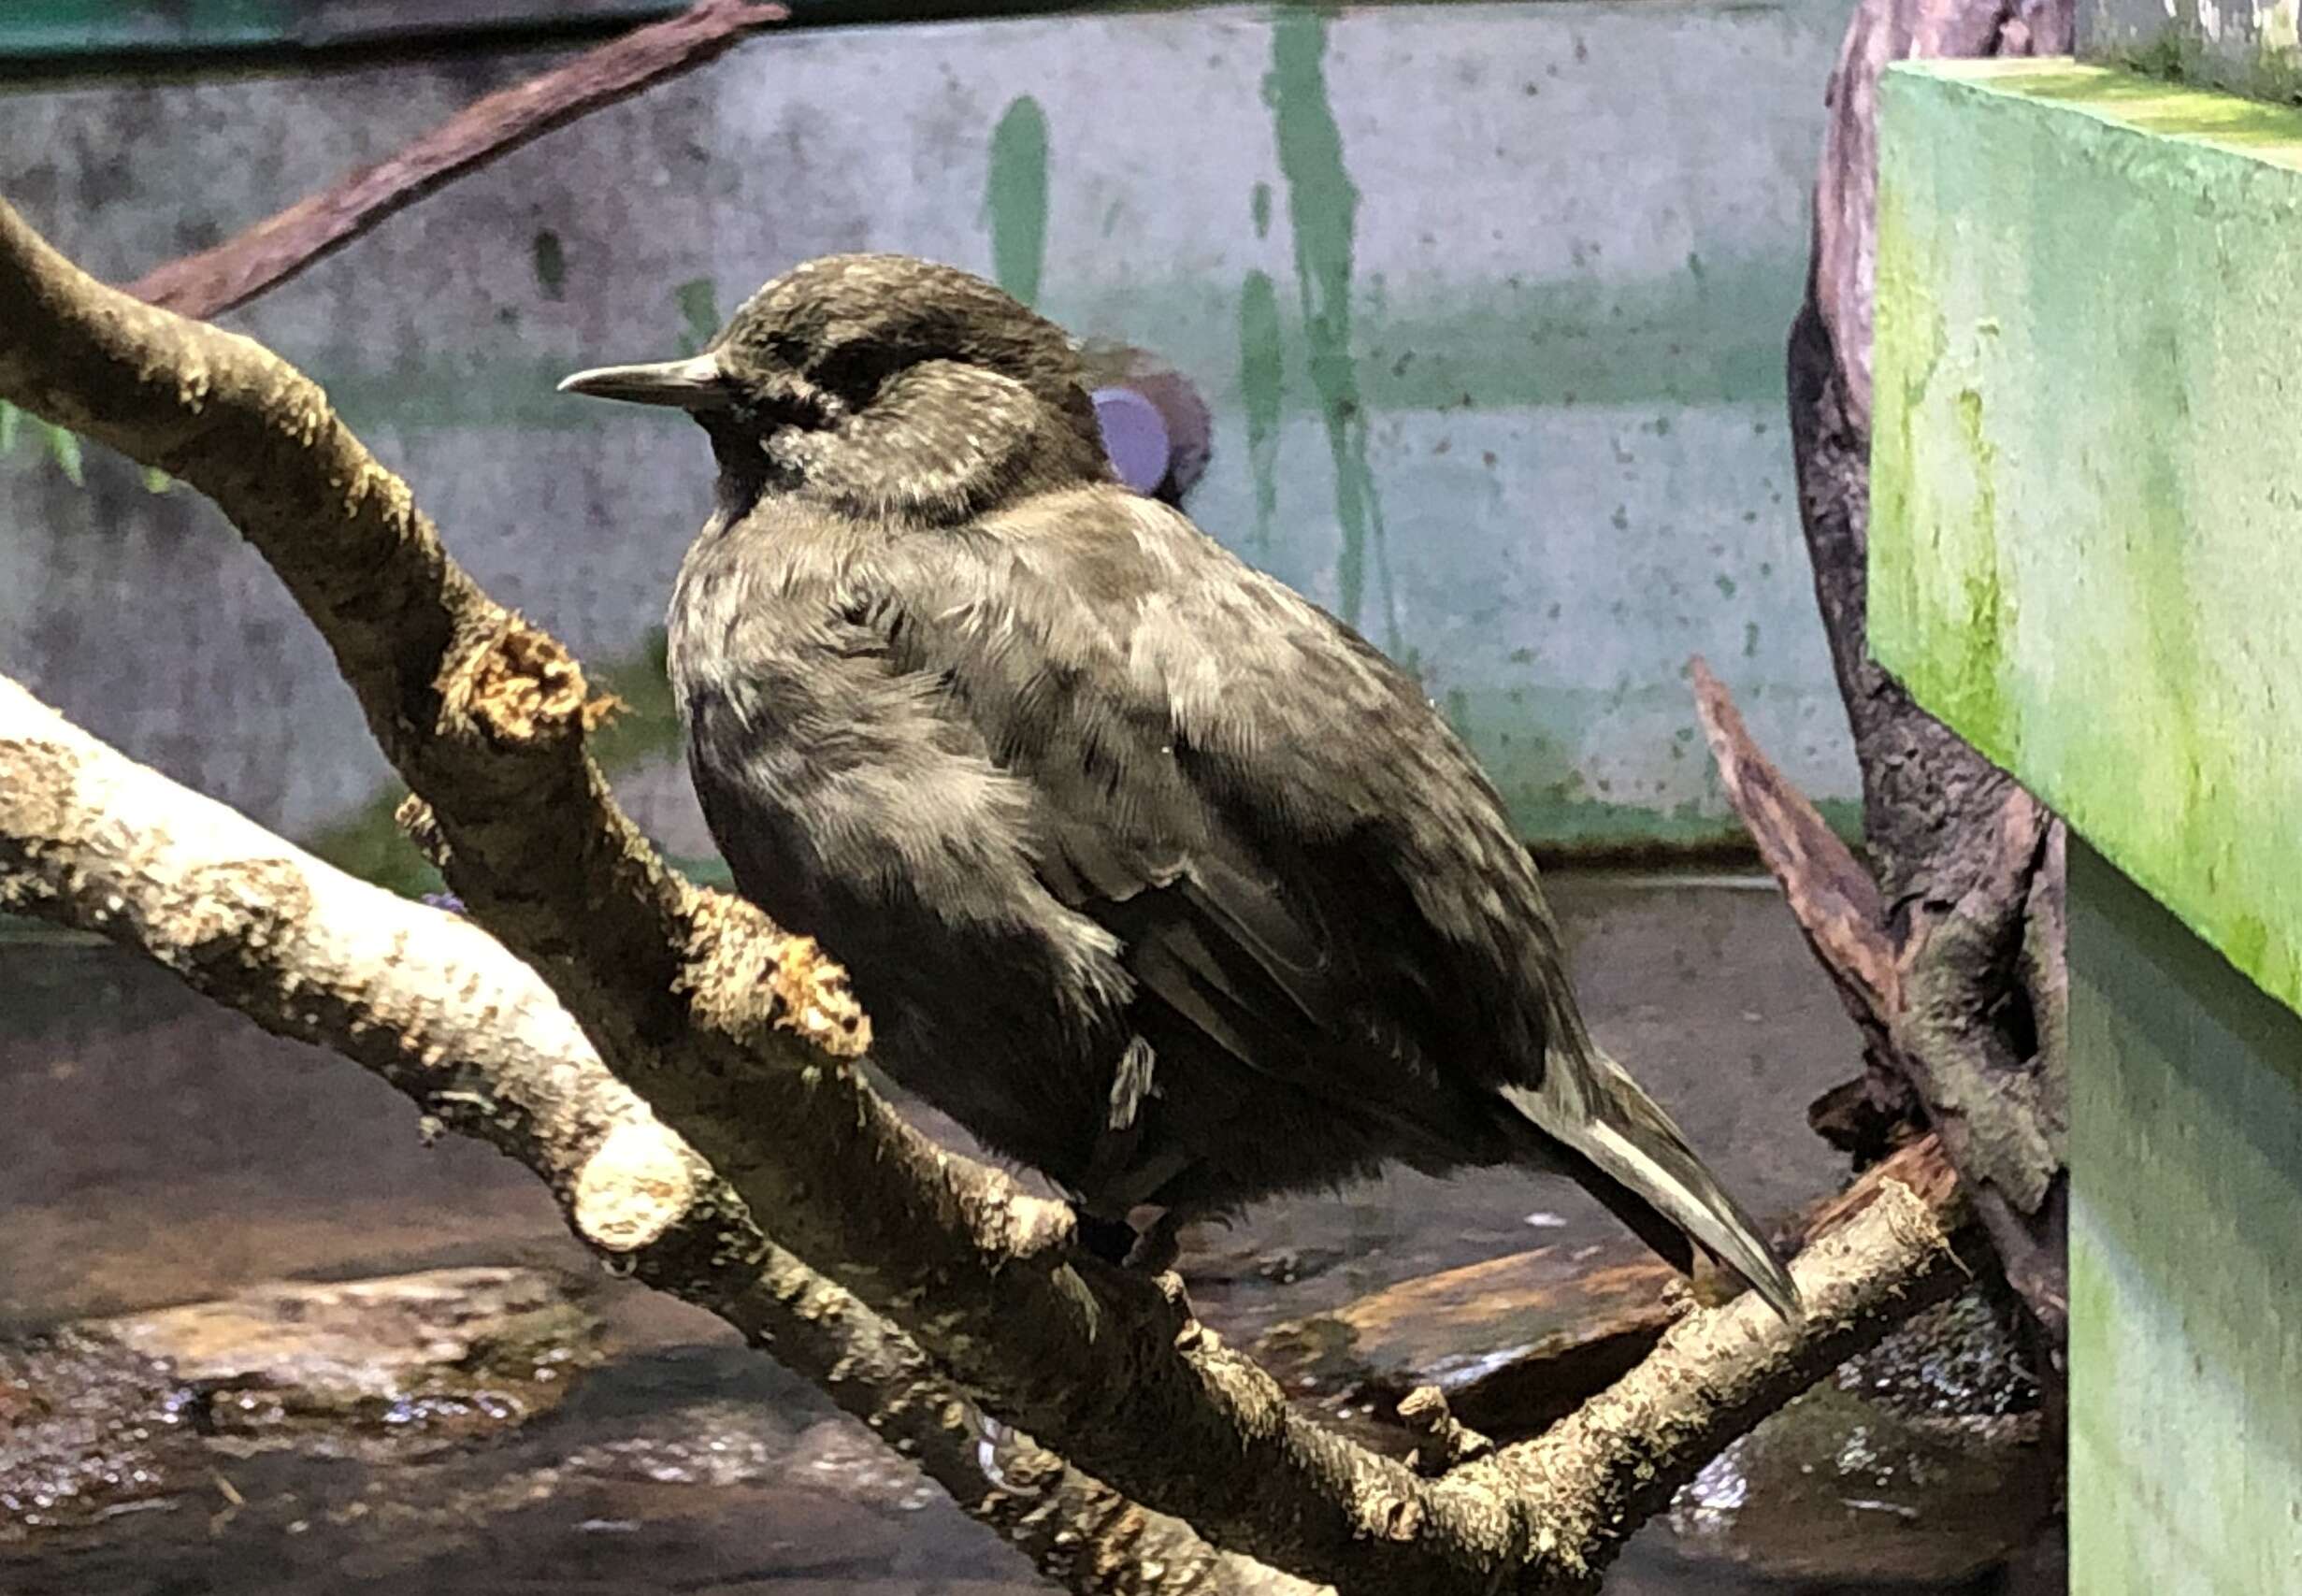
(1265, 811)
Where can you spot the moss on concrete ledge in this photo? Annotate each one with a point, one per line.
(2087, 512)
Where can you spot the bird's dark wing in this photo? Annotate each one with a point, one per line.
(1298, 857)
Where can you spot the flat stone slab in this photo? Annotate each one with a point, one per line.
(116, 1415)
(2086, 536)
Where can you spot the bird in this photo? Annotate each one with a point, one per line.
(1153, 874)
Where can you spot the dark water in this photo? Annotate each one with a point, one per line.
(156, 1150)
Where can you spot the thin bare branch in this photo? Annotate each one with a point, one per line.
(1832, 896)
(276, 249)
(1619, 1457)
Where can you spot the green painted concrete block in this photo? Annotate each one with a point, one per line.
(2185, 1267)
(2086, 538)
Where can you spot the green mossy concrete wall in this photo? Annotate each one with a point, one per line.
(2185, 1259)
(2086, 546)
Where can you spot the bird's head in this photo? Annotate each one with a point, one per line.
(889, 384)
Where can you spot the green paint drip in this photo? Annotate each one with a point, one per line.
(1261, 207)
(1262, 393)
(698, 307)
(1016, 198)
(1322, 207)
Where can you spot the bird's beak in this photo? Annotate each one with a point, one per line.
(694, 385)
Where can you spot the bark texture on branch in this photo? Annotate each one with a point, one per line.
(274, 250)
(741, 1036)
(1950, 959)
(436, 1007)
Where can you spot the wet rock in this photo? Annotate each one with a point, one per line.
(1958, 1361)
(1836, 1489)
(843, 1457)
(415, 1358)
(138, 1411)
(697, 1468)
(1515, 1343)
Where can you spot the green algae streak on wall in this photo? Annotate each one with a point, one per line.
(1016, 198)
(1322, 208)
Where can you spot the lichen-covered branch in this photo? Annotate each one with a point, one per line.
(436, 1007)
(741, 1037)
(274, 250)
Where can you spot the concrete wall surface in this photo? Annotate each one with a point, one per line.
(1489, 302)
(2185, 1276)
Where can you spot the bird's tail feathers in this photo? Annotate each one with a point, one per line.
(1650, 1178)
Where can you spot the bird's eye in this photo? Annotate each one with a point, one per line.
(857, 371)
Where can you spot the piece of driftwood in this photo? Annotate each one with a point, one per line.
(1948, 951)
